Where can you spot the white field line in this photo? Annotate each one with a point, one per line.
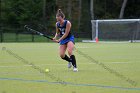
(64, 64)
(110, 42)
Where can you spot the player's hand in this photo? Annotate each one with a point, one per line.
(57, 41)
(54, 38)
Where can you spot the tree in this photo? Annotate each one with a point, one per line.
(69, 9)
(79, 19)
(44, 10)
(0, 9)
(122, 9)
(91, 9)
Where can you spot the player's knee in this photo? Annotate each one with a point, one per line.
(70, 52)
(62, 55)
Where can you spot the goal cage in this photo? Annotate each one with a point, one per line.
(116, 30)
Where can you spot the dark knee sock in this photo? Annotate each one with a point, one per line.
(72, 57)
(67, 58)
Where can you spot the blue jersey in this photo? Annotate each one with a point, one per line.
(62, 30)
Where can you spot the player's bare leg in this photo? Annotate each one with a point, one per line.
(62, 54)
(70, 48)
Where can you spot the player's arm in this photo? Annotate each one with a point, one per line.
(57, 33)
(68, 27)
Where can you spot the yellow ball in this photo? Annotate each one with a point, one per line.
(47, 70)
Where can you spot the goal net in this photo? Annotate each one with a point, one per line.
(116, 30)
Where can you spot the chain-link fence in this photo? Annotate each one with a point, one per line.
(17, 33)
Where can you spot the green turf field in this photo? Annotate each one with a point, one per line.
(18, 77)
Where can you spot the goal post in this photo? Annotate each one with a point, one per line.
(116, 30)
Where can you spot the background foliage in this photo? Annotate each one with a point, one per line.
(14, 14)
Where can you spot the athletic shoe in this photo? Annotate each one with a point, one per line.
(69, 65)
(75, 69)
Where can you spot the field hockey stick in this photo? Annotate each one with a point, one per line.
(37, 32)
